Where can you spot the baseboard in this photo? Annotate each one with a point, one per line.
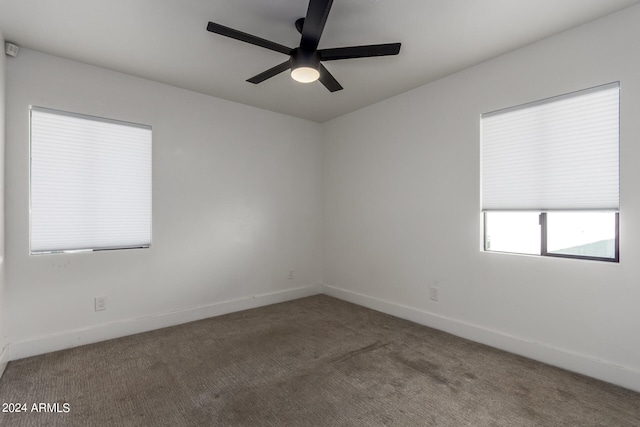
(106, 331)
(3, 363)
(602, 370)
(599, 369)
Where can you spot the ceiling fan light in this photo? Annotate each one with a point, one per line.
(305, 74)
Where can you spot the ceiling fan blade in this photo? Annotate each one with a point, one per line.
(359, 51)
(317, 14)
(270, 72)
(328, 80)
(248, 38)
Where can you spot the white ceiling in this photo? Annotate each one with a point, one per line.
(167, 41)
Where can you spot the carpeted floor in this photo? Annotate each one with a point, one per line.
(316, 361)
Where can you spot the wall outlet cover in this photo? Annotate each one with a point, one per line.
(100, 303)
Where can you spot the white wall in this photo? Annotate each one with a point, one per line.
(236, 193)
(402, 211)
(3, 340)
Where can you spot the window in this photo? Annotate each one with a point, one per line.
(550, 176)
(90, 183)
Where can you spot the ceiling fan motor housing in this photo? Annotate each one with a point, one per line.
(300, 58)
(305, 65)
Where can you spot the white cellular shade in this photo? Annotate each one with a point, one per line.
(558, 154)
(90, 183)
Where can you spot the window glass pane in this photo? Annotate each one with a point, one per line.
(582, 233)
(516, 232)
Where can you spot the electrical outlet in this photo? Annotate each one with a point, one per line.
(11, 49)
(433, 293)
(100, 303)
(290, 274)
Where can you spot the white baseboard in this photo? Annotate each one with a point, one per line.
(619, 375)
(3, 361)
(602, 370)
(106, 331)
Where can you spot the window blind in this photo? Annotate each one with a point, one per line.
(90, 185)
(561, 153)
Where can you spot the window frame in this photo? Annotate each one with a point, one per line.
(542, 219)
(533, 197)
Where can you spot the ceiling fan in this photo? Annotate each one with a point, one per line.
(305, 60)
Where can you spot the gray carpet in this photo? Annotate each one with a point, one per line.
(316, 361)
